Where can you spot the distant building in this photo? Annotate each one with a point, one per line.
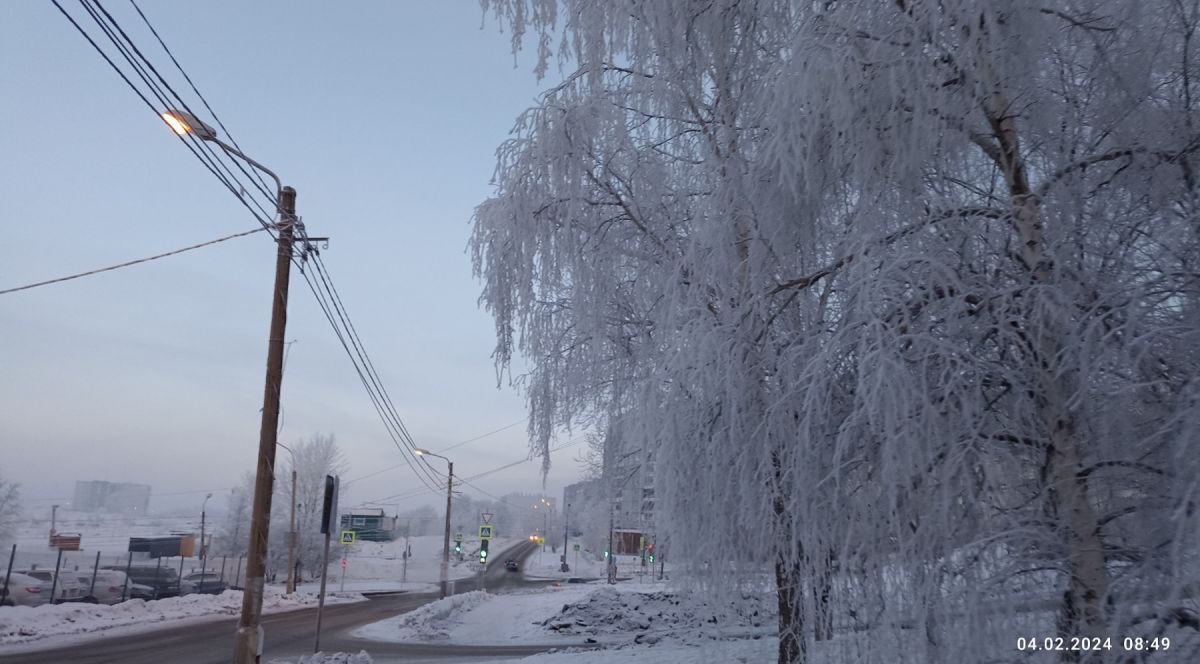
(370, 524)
(116, 497)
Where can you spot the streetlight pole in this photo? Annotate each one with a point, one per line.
(203, 549)
(247, 644)
(291, 577)
(566, 520)
(446, 535)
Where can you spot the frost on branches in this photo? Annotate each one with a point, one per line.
(902, 298)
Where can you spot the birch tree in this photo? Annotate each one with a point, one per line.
(902, 294)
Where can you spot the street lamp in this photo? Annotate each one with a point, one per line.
(566, 520)
(203, 549)
(249, 636)
(449, 494)
(291, 577)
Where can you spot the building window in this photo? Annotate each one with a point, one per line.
(359, 521)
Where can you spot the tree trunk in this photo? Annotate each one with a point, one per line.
(1083, 612)
(789, 581)
(822, 590)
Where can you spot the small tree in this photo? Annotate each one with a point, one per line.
(314, 458)
(10, 508)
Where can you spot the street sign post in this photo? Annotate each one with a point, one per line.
(347, 539)
(486, 532)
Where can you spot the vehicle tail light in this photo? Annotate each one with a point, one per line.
(114, 589)
(34, 590)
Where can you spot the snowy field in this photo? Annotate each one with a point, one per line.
(64, 624)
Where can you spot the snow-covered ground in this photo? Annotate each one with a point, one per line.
(633, 621)
(61, 624)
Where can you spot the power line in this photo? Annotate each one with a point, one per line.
(124, 45)
(326, 293)
(444, 449)
(128, 263)
(141, 95)
(265, 187)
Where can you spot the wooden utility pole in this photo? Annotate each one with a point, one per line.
(247, 647)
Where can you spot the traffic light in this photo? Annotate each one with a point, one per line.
(483, 549)
(650, 552)
(605, 554)
(458, 547)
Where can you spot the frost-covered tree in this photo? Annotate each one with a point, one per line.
(902, 293)
(233, 531)
(10, 509)
(315, 457)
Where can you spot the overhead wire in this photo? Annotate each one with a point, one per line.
(323, 289)
(129, 263)
(145, 67)
(191, 148)
(424, 473)
(265, 187)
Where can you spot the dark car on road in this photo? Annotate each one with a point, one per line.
(512, 566)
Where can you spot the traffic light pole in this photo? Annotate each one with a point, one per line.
(247, 645)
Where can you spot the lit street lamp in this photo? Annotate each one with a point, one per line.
(449, 494)
(249, 635)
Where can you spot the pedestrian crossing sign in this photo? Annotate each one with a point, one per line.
(485, 532)
(348, 537)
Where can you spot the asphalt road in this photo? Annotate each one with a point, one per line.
(291, 634)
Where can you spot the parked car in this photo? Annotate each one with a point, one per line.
(23, 590)
(208, 582)
(109, 587)
(139, 591)
(67, 589)
(512, 566)
(164, 581)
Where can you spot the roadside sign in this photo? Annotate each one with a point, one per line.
(343, 563)
(458, 537)
(486, 532)
(347, 539)
(577, 546)
(486, 516)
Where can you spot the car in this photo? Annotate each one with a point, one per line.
(512, 566)
(109, 587)
(206, 582)
(23, 590)
(66, 589)
(139, 591)
(163, 580)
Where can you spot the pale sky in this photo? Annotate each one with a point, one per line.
(384, 116)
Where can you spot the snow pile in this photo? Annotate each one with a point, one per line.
(23, 624)
(431, 622)
(330, 658)
(608, 613)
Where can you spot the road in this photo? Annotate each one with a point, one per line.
(291, 634)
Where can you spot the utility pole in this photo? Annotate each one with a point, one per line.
(446, 535)
(291, 580)
(247, 647)
(203, 549)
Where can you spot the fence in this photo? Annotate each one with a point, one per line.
(164, 576)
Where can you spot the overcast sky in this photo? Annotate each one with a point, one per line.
(384, 116)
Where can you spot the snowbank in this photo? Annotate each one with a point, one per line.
(329, 658)
(23, 624)
(578, 614)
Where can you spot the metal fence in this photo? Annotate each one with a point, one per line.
(164, 576)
